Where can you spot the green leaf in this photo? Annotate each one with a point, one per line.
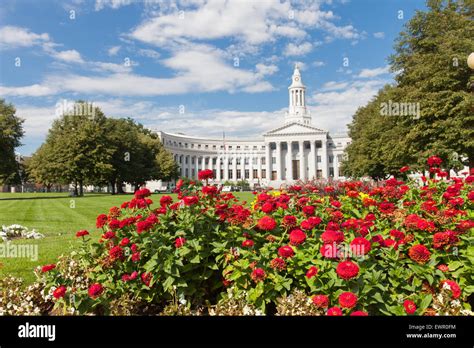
(425, 302)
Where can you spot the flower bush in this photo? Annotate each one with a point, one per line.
(346, 249)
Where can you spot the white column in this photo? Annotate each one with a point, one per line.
(268, 162)
(250, 168)
(226, 167)
(312, 160)
(302, 161)
(259, 166)
(289, 162)
(278, 160)
(324, 158)
(336, 166)
(218, 168)
(234, 167)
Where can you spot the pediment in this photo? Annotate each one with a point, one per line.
(295, 128)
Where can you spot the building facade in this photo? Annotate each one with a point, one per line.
(295, 151)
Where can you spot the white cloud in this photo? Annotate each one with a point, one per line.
(297, 50)
(112, 51)
(71, 56)
(318, 64)
(369, 73)
(13, 37)
(333, 85)
(379, 35)
(114, 4)
(149, 53)
(263, 69)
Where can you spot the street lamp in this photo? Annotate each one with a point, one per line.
(470, 61)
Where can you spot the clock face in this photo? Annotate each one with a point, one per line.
(297, 78)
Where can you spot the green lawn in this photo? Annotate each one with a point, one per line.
(58, 217)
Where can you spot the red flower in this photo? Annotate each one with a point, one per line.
(286, 251)
(136, 257)
(359, 314)
(360, 246)
(165, 201)
(116, 253)
(146, 278)
(347, 270)
(434, 161)
(347, 300)
(453, 286)
(267, 207)
(82, 233)
(124, 242)
(329, 250)
(95, 290)
(289, 221)
(179, 242)
(190, 200)
(330, 237)
(266, 223)
(443, 268)
(297, 237)
(205, 174)
(410, 306)
(248, 243)
(59, 292)
(321, 301)
(48, 268)
(278, 264)
(312, 271)
(419, 253)
(308, 210)
(258, 275)
(141, 194)
(101, 220)
(404, 169)
(334, 312)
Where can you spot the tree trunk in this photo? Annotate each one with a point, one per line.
(112, 184)
(81, 188)
(75, 188)
(120, 187)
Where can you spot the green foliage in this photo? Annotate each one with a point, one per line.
(11, 131)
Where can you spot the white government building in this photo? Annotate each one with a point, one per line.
(295, 151)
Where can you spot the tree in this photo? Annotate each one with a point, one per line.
(431, 72)
(167, 165)
(11, 131)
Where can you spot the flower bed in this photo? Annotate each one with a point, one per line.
(18, 231)
(345, 249)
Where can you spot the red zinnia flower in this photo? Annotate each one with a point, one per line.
(321, 301)
(258, 275)
(205, 174)
(141, 194)
(124, 242)
(359, 314)
(289, 221)
(347, 270)
(278, 264)
(248, 243)
(59, 292)
(297, 237)
(434, 161)
(101, 220)
(329, 250)
(82, 233)
(360, 246)
(312, 271)
(410, 306)
(454, 287)
(190, 200)
(347, 300)
(266, 223)
(334, 312)
(95, 290)
(286, 251)
(47, 268)
(267, 207)
(404, 169)
(308, 210)
(443, 268)
(179, 242)
(116, 253)
(419, 253)
(146, 278)
(330, 237)
(166, 200)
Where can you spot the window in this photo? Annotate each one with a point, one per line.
(319, 174)
(247, 174)
(207, 146)
(192, 146)
(307, 145)
(255, 161)
(238, 147)
(214, 147)
(274, 160)
(254, 174)
(222, 173)
(318, 159)
(255, 147)
(339, 158)
(214, 173)
(239, 175)
(199, 146)
(214, 160)
(192, 172)
(319, 144)
(230, 147)
(263, 160)
(192, 160)
(238, 161)
(186, 172)
(230, 160)
(264, 173)
(331, 158)
(331, 172)
(186, 159)
(246, 160)
(186, 145)
(230, 174)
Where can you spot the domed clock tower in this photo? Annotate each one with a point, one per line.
(297, 111)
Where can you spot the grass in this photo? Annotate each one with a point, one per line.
(58, 217)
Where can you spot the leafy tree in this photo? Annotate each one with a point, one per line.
(11, 131)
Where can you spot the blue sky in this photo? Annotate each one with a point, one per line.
(146, 59)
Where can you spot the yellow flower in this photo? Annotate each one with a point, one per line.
(276, 193)
(363, 196)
